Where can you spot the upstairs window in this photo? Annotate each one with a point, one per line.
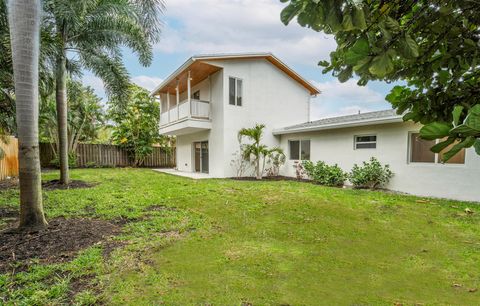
(420, 152)
(196, 95)
(235, 90)
(299, 149)
(365, 142)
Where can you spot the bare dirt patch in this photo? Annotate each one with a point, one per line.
(59, 242)
(160, 208)
(8, 184)
(74, 184)
(270, 178)
(7, 213)
(48, 185)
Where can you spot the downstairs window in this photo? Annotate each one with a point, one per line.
(299, 149)
(420, 151)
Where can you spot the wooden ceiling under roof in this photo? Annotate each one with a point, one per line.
(198, 72)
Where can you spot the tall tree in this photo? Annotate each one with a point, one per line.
(24, 20)
(89, 35)
(7, 103)
(85, 117)
(136, 126)
(7, 97)
(432, 45)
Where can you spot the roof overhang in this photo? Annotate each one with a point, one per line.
(199, 71)
(200, 67)
(386, 120)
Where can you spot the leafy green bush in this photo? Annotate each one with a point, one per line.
(371, 175)
(72, 161)
(324, 174)
(136, 124)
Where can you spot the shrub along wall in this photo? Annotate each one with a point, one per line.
(100, 155)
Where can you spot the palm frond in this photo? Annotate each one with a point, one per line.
(110, 69)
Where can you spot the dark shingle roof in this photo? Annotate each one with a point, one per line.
(356, 119)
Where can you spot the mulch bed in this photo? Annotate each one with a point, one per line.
(9, 184)
(59, 242)
(8, 213)
(48, 185)
(270, 178)
(74, 184)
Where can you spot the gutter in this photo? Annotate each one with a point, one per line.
(332, 126)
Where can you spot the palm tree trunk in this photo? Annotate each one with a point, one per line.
(62, 124)
(257, 168)
(24, 20)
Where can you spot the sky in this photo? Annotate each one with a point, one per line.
(231, 26)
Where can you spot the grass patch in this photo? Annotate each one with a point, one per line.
(229, 242)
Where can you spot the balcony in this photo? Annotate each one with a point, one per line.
(186, 117)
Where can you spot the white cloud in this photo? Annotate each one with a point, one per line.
(147, 82)
(213, 26)
(95, 82)
(348, 91)
(346, 98)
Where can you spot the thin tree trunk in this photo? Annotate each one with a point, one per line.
(76, 137)
(24, 20)
(62, 123)
(257, 168)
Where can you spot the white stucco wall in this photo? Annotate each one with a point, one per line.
(436, 180)
(269, 97)
(185, 151)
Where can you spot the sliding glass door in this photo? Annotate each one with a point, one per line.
(201, 156)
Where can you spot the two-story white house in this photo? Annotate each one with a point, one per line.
(207, 100)
(210, 98)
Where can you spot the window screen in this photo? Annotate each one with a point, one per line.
(305, 149)
(231, 91)
(235, 91)
(239, 92)
(366, 142)
(294, 149)
(196, 95)
(420, 149)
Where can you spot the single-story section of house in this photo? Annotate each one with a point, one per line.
(347, 140)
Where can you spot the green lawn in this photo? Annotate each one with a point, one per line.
(228, 242)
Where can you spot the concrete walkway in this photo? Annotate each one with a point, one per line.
(192, 175)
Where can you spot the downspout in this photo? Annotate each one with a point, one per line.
(309, 106)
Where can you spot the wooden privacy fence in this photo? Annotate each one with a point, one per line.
(9, 163)
(101, 155)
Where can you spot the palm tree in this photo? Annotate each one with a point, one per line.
(7, 103)
(24, 21)
(85, 117)
(255, 150)
(89, 35)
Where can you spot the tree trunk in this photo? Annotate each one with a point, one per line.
(62, 124)
(257, 168)
(24, 20)
(76, 137)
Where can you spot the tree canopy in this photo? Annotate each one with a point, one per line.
(136, 126)
(85, 117)
(432, 45)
